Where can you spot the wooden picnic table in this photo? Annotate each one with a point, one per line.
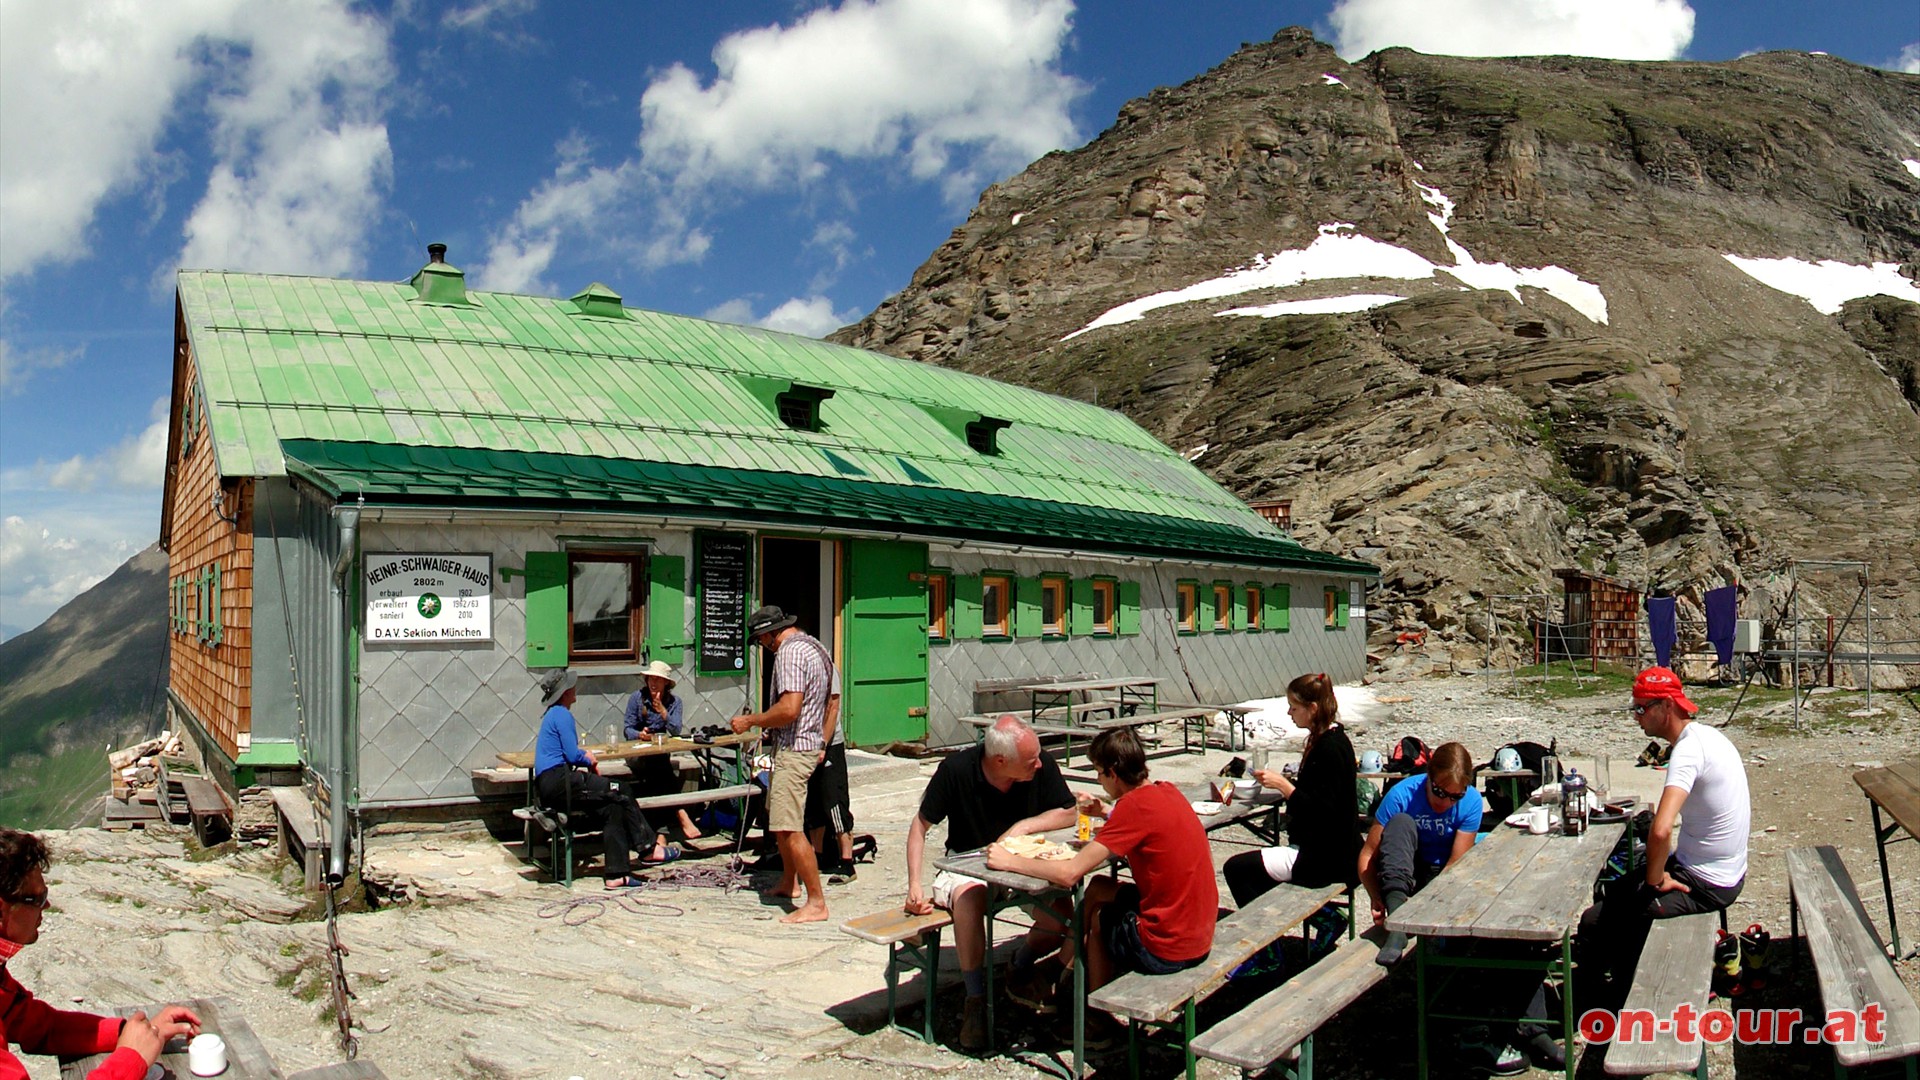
(247, 1058)
(1030, 890)
(1895, 789)
(629, 749)
(1133, 691)
(1262, 817)
(1512, 886)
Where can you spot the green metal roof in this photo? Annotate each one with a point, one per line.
(596, 403)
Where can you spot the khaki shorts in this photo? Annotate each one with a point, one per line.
(787, 798)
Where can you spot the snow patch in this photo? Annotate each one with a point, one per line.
(1912, 165)
(1325, 305)
(1017, 217)
(1829, 283)
(1332, 80)
(1194, 454)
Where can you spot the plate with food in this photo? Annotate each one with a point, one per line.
(1207, 808)
(1036, 847)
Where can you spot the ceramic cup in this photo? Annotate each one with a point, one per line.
(1244, 790)
(1538, 821)
(207, 1055)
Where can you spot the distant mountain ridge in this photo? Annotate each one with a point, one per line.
(93, 675)
(1496, 423)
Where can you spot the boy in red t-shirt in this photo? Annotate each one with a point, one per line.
(1162, 922)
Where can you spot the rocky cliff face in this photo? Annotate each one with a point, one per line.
(1562, 365)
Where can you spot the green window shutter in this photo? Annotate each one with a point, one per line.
(1203, 608)
(1340, 608)
(1127, 617)
(1279, 608)
(1239, 606)
(1026, 607)
(1082, 623)
(547, 609)
(666, 608)
(216, 617)
(200, 604)
(966, 606)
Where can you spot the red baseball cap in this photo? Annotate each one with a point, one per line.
(1661, 684)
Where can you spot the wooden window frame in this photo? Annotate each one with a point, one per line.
(638, 588)
(939, 606)
(1334, 598)
(1000, 629)
(1256, 607)
(1056, 584)
(1186, 592)
(1111, 587)
(1223, 612)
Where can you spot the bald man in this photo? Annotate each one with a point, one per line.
(999, 788)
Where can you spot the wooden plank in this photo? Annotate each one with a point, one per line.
(204, 798)
(1452, 904)
(1545, 899)
(894, 925)
(1138, 996)
(1676, 968)
(1897, 790)
(296, 811)
(346, 1070)
(1260, 1033)
(694, 798)
(247, 1059)
(1849, 957)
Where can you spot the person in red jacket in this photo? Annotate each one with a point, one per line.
(39, 1028)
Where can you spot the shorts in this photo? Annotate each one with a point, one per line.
(1121, 918)
(829, 802)
(947, 885)
(787, 798)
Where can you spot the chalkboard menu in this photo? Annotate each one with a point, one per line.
(721, 574)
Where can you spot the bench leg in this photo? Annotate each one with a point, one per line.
(1886, 884)
(1187, 1026)
(1303, 1069)
(1420, 999)
(932, 975)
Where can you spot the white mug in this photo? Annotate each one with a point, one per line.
(207, 1055)
(1537, 821)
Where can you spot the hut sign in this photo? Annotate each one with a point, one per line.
(412, 597)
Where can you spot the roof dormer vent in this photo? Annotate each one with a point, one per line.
(598, 300)
(983, 434)
(439, 283)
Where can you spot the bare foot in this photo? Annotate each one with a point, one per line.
(812, 912)
(790, 892)
(688, 829)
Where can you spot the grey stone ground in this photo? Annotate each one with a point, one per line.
(481, 975)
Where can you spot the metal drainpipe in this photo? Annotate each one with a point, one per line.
(337, 733)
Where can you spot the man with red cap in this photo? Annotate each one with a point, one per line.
(1702, 868)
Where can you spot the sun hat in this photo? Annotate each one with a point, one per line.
(554, 684)
(1661, 684)
(767, 620)
(659, 668)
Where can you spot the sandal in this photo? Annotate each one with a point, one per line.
(672, 852)
(628, 882)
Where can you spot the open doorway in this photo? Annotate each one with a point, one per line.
(801, 576)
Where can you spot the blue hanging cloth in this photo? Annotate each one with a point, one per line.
(1661, 628)
(1720, 611)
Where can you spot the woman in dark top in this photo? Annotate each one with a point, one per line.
(1323, 840)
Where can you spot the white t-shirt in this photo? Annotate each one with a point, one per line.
(1718, 814)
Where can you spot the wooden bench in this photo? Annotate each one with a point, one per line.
(302, 832)
(1281, 1024)
(1850, 960)
(1172, 1000)
(1186, 718)
(1676, 968)
(212, 817)
(346, 1070)
(912, 941)
(559, 830)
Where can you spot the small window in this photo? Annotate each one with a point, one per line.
(1222, 607)
(1189, 592)
(1053, 607)
(1253, 608)
(1104, 608)
(996, 605)
(799, 413)
(939, 597)
(983, 435)
(606, 605)
(1336, 607)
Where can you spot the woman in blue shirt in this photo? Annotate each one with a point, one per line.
(565, 775)
(656, 708)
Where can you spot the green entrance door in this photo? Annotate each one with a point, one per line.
(885, 675)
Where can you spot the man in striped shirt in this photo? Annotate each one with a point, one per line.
(795, 722)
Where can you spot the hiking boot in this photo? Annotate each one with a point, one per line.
(1755, 944)
(1102, 1032)
(973, 1025)
(1032, 988)
(1481, 1052)
(1546, 1052)
(1396, 944)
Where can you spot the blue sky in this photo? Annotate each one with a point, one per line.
(782, 163)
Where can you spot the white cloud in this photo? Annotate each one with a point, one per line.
(954, 94)
(87, 91)
(43, 566)
(19, 365)
(810, 316)
(1908, 60)
(1620, 29)
(135, 463)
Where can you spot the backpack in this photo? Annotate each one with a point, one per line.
(1409, 757)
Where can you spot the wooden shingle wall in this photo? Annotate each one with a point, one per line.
(210, 658)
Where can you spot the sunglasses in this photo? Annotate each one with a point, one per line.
(1642, 710)
(1450, 796)
(41, 901)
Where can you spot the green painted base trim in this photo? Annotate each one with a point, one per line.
(270, 754)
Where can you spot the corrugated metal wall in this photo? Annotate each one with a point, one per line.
(296, 541)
